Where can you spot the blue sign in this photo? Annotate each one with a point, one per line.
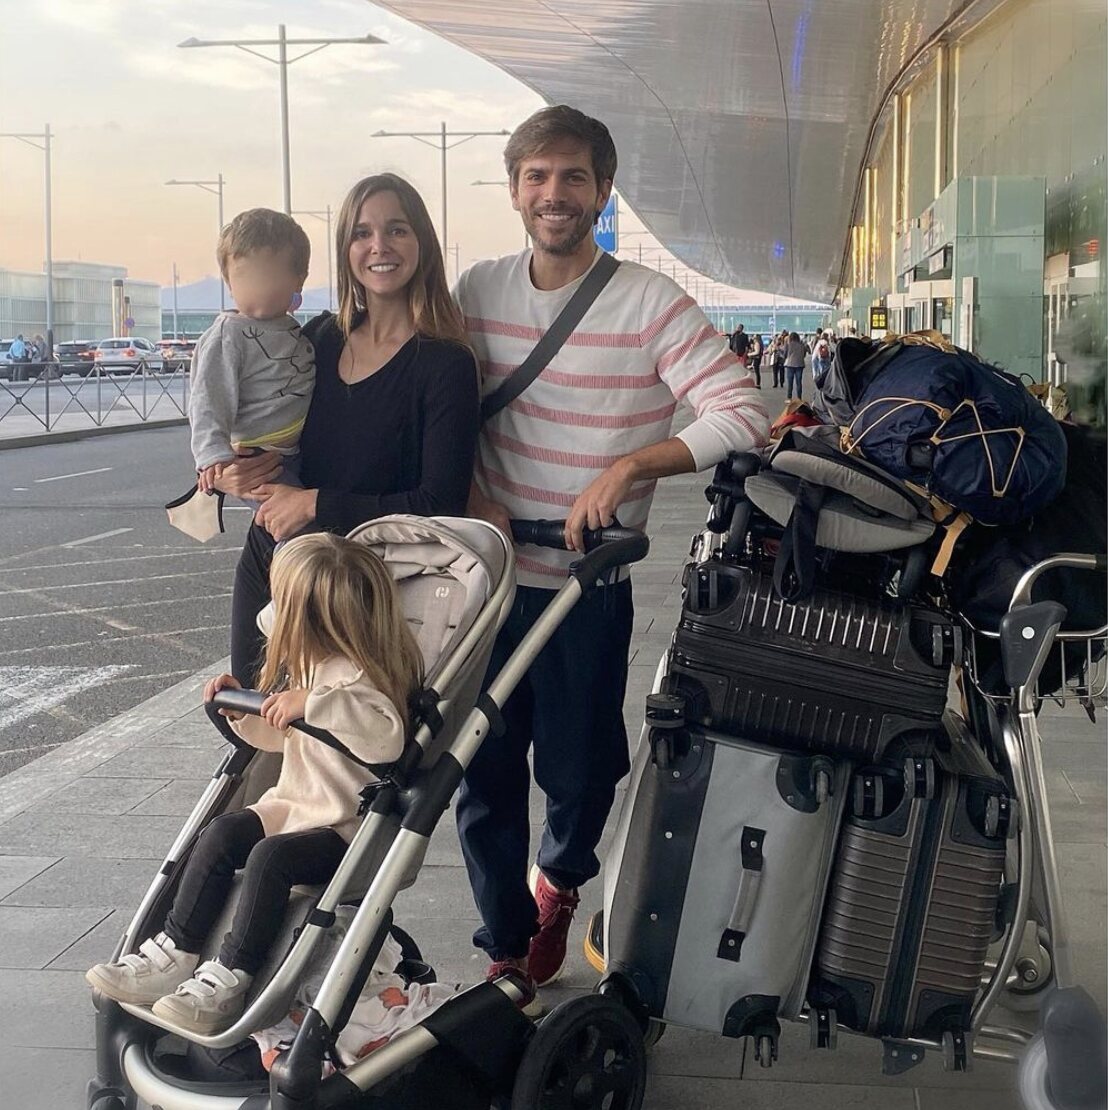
(606, 229)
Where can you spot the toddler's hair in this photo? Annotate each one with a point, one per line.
(259, 229)
(333, 596)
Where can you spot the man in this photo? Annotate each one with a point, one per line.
(740, 344)
(822, 354)
(586, 440)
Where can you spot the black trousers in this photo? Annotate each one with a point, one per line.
(251, 596)
(273, 865)
(756, 366)
(569, 707)
(778, 375)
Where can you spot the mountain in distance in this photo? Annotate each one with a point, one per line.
(203, 296)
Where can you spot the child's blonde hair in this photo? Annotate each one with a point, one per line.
(332, 596)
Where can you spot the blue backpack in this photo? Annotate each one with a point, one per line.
(969, 436)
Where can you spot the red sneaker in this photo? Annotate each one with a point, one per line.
(529, 1004)
(547, 953)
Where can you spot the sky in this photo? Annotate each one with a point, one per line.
(129, 111)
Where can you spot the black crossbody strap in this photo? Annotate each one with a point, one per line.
(553, 338)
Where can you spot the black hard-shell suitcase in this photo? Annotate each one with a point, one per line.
(840, 674)
(912, 904)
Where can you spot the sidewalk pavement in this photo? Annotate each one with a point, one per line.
(82, 831)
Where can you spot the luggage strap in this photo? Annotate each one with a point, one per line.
(553, 338)
(750, 879)
(794, 570)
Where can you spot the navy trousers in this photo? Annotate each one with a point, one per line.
(569, 708)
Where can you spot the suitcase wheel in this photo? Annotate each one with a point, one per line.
(998, 817)
(956, 1054)
(765, 1049)
(919, 777)
(823, 1025)
(869, 796)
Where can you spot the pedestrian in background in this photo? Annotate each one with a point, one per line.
(795, 354)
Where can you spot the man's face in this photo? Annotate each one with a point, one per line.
(558, 197)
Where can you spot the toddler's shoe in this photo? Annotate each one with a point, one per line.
(142, 977)
(209, 1002)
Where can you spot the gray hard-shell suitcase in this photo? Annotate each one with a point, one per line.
(716, 879)
(913, 898)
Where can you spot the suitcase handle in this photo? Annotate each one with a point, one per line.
(750, 881)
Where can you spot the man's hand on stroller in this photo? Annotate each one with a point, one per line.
(223, 682)
(280, 710)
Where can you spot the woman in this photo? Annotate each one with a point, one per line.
(795, 354)
(393, 422)
(780, 346)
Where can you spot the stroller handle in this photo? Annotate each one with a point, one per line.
(606, 548)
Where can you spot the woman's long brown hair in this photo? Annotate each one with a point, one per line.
(332, 596)
(434, 313)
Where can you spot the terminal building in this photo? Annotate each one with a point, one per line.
(82, 302)
(916, 163)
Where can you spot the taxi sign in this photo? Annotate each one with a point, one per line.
(606, 229)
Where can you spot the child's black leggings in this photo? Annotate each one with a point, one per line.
(273, 865)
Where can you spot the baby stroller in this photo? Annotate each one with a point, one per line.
(811, 834)
(457, 583)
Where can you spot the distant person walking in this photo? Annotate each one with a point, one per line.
(757, 348)
(795, 353)
(740, 344)
(17, 352)
(780, 346)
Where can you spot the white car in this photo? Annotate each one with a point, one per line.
(128, 353)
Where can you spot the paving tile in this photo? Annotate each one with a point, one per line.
(932, 1099)
(17, 870)
(164, 761)
(98, 796)
(45, 1078)
(69, 834)
(79, 881)
(686, 1092)
(174, 799)
(96, 945)
(31, 938)
(54, 1008)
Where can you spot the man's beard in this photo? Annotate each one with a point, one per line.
(567, 246)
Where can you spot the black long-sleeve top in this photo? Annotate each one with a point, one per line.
(400, 441)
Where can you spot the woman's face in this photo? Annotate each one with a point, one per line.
(384, 250)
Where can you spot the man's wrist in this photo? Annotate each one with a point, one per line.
(627, 468)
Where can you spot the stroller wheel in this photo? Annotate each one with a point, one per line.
(1036, 975)
(655, 1031)
(587, 1054)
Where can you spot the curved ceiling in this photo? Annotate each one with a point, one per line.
(741, 125)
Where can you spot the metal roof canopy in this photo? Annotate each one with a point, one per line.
(741, 125)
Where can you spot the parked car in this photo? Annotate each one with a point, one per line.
(176, 352)
(128, 353)
(76, 356)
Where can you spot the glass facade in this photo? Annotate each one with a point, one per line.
(1022, 94)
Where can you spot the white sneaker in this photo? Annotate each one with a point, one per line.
(142, 977)
(209, 1002)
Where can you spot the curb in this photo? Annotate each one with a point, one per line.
(72, 434)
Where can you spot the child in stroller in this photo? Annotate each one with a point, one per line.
(340, 657)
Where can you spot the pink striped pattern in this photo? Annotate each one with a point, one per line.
(592, 420)
(550, 496)
(550, 454)
(577, 381)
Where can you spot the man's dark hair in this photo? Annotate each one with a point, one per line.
(547, 126)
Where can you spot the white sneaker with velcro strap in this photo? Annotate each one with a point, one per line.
(211, 1001)
(158, 968)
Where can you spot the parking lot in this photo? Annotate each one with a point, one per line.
(102, 603)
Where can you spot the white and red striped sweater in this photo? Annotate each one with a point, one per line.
(612, 389)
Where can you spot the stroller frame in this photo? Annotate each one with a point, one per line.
(419, 795)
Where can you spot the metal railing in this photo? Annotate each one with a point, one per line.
(40, 394)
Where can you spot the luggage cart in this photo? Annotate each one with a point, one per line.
(595, 1045)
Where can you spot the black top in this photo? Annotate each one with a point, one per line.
(400, 441)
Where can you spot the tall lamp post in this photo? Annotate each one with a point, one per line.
(442, 146)
(216, 187)
(325, 215)
(282, 61)
(40, 140)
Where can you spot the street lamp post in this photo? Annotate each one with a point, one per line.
(442, 146)
(33, 138)
(325, 215)
(215, 187)
(283, 61)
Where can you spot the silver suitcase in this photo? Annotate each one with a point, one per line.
(715, 883)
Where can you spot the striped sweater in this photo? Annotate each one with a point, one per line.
(612, 389)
